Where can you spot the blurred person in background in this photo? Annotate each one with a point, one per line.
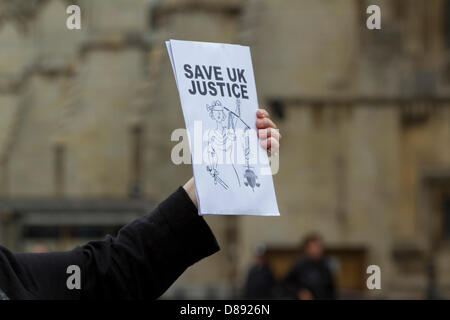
(260, 281)
(311, 278)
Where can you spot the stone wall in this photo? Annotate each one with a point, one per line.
(352, 164)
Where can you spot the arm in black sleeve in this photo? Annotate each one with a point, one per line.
(149, 254)
(37, 275)
(145, 258)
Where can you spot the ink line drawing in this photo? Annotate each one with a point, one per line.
(224, 139)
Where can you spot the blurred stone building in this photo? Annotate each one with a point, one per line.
(86, 118)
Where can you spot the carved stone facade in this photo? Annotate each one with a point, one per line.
(365, 118)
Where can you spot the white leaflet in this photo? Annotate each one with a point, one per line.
(219, 101)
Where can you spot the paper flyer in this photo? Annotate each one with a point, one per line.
(219, 101)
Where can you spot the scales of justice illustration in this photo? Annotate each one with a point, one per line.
(223, 140)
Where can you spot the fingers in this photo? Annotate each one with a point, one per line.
(262, 113)
(263, 123)
(271, 145)
(270, 132)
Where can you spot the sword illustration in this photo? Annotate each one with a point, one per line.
(217, 179)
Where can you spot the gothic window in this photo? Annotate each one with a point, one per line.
(59, 168)
(446, 217)
(447, 23)
(136, 160)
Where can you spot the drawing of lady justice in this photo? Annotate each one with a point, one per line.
(222, 140)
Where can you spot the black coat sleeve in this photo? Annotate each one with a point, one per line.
(141, 262)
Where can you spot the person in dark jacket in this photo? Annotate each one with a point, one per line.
(260, 282)
(141, 262)
(311, 278)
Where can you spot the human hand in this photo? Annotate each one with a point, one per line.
(268, 133)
